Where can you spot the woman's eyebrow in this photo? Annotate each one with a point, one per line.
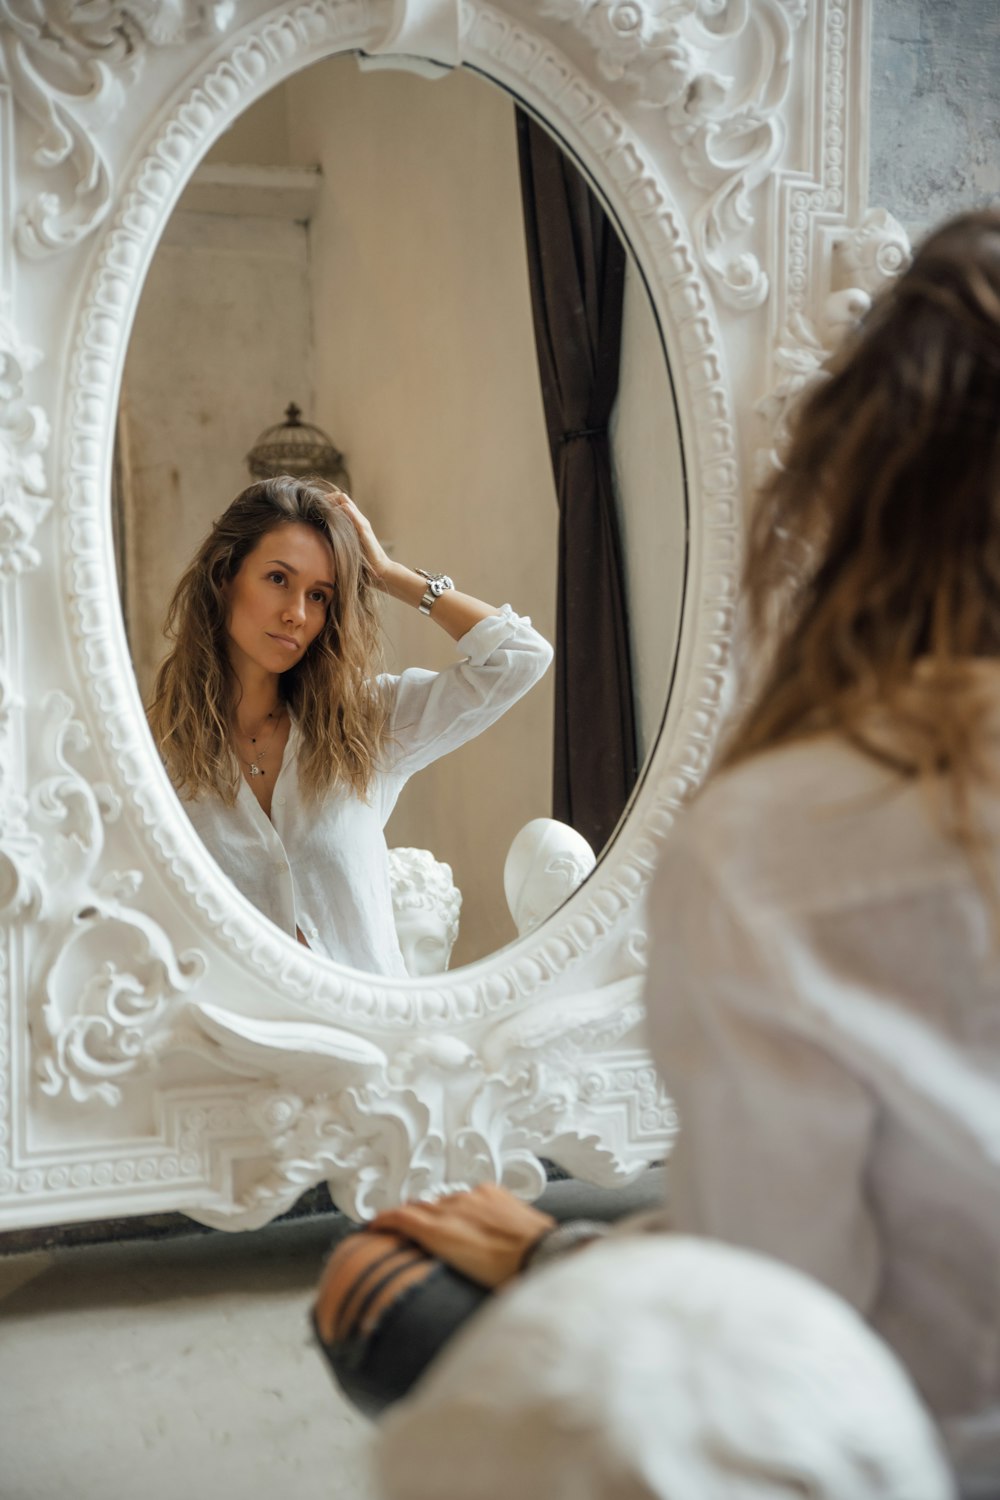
(320, 582)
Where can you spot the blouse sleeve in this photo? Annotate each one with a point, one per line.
(435, 712)
(775, 1129)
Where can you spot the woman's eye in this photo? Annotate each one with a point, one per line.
(318, 596)
(276, 577)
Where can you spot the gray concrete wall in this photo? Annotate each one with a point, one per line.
(935, 140)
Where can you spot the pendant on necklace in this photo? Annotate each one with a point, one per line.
(255, 770)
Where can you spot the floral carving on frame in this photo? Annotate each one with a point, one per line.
(64, 60)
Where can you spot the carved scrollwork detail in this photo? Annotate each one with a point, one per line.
(21, 868)
(864, 259)
(438, 1112)
(730, 128)
(108, 974)
(24, 437)
(68, 66)
(637, 42)
(873, 252)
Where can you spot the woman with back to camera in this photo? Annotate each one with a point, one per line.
(824, 984)
(286, 743)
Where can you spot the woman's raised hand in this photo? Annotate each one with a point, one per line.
(484, 1233)
(378, 559)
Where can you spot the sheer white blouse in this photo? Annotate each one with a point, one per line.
(824, 1004)
(323, 869)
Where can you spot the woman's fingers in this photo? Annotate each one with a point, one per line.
(377, 557)
(414, 1220)
(357, 516)
(484, 1233)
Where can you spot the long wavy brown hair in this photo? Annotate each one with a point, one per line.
(872, 576)
(332, 692)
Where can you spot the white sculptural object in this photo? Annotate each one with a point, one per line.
(661, 1367)
(546, 862)
(161, 1048)
(426, 904)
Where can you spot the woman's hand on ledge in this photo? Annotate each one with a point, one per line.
(485, 1233)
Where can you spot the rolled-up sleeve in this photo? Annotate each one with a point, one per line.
(435, 712)
(775, 1129)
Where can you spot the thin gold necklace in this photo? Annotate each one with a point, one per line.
(255, 769)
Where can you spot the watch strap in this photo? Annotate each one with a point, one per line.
(437, 584)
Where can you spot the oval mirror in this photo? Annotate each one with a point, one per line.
(372, 246)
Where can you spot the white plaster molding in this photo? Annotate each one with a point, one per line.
(425, 29)
(193, 1056)
(64, 60)
(381, 1129)
(502, 985)
(835, 252)
(107, 972)
(24, 437)
(873, 252)
(729, 127)
(865, 258)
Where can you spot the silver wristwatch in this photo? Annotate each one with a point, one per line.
(437, 584)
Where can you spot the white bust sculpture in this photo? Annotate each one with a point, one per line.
(425, 905)
(661, 1367)
(545, 863)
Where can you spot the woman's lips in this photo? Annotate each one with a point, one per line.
(284, 640)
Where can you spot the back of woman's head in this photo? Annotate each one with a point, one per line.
(330, 690)
(872, 578)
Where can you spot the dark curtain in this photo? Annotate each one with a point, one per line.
(576, 264)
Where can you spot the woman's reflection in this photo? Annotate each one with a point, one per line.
(286, 743)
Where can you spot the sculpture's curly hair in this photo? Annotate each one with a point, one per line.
(422, 883)
(332, 692)
(872, 578)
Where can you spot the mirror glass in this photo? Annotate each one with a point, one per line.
(356, 245)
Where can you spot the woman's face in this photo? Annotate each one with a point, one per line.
(279, 599)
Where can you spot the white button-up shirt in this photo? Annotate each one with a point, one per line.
(322, 867)
(824, 1004)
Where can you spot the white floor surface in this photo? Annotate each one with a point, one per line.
(172, 1370)
(183, 1369)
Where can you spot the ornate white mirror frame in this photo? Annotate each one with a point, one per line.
(160, 1046)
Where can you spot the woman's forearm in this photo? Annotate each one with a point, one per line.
(453, 611)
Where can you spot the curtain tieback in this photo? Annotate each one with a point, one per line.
(583, 432)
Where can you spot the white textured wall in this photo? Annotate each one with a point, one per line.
(935, 137)
(426, 374)
(222, 342)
